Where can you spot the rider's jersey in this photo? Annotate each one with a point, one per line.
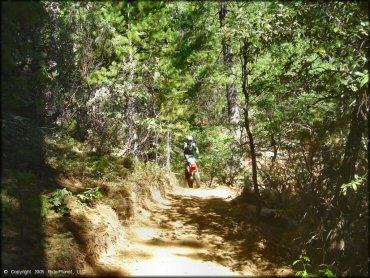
(189, 149)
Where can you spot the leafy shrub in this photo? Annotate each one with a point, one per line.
(305, 261)
(59, 199)
(101, 165)
(89, 195)
(72, 126)
(354, 184)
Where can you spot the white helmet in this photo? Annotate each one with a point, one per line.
(189, 138)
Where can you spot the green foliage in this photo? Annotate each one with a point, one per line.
(72, 126)
(58, 201)
(220, 160)
(45, 206)
(304, 261)
(89, 195)
(68, 155)
(354, 184)
(100, 165)
(326, 272)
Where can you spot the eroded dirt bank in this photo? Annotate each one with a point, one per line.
(194, 232)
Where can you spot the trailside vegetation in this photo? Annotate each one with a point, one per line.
(275, 94)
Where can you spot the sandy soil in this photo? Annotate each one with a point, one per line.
(193, 232)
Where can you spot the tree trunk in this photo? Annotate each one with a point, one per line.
(231, 89)
(274, 146)
(244, 51)
(342, 212)
(357, 127)
(348, 166)
(156, 148)
(132, 144)
(168, 151)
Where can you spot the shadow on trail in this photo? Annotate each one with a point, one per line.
(229, 239)
(169, 243)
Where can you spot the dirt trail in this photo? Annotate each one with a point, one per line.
(191, 233)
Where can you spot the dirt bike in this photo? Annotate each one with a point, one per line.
(192, 172)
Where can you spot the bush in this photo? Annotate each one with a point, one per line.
(305, 262)
(59, 199)
(89, 195)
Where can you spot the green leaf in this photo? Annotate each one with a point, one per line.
(302, 273)
(364, 81)
(329, 273)
(296, 261)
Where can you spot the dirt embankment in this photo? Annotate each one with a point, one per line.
(78, 241)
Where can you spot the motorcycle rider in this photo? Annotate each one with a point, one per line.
(189, 149)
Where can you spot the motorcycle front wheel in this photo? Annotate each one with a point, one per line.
(197, 179)
(190, 182)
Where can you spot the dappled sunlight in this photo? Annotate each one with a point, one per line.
(146, 232)
(168, 264)
(170, 243)
(161, 202)
(194, 234)
(220, 192)
(136, 254)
